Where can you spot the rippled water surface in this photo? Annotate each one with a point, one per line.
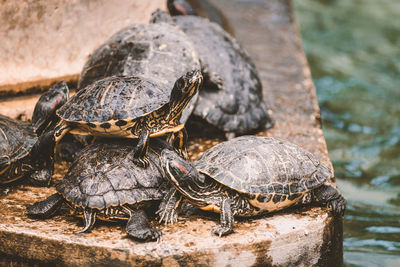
(353, 48)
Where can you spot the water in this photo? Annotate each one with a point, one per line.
(353, 48)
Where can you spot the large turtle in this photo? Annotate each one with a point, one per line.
(231, 97)
(159, 51)
(128, 107)
(18, 138)
(104, 183)
(250, 175)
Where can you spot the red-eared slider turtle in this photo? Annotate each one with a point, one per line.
(128, 107)
(231, 97)
(250, 175)
(103, 182)
(159, 51)
(18, 138)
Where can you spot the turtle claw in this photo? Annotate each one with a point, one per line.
(167, 216)
(145, 234)
(142, 162)
(222, 230)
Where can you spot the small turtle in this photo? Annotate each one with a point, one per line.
(18, 138)
(128, 107)
(159, 51)
(231, 97)
(250, 175)
(104, 183)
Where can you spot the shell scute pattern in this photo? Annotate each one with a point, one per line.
(114, 98)
(96, 180)
(256, 165)
(16, 139)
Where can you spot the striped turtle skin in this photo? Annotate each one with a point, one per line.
(16, 141)
(159, 51)
(251, 175)
(104, 183)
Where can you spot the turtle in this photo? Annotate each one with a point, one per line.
(158, 51)
(122, 106)
(17, 138)
(248, 176)
(103, 182)
(231, 98)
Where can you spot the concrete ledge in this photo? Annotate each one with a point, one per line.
(297, 237)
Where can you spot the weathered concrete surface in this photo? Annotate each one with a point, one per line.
(297, 237)
(44, 41)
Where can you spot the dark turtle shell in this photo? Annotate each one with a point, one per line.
(231, 98)
(16, 141)
(104, 175)
(160, 52)
(115, 98)
(253, 165)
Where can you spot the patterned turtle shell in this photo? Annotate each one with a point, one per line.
(16, 141)
(159, 51)
(263, 165)
(114, 100)
(104, 175)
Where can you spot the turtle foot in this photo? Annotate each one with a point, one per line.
(145, 234)
(41, 178)
(222, 230)
(167, 215)
(338, 206)
(142, 162)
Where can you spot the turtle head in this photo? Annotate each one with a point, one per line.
(181, 173)
(180, 8)
(47, 105)
(160, 16)
(184, 89)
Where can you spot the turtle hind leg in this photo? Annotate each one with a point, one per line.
(226, 218)
(327, 194)
(46, 208)
(138, 227)
(89, 216)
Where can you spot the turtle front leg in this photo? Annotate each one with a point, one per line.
(330, 196)
(226, 218)
(180, 143)
(138, 226)
(140, 158)
(42, 154)
(46, 208)
(168, 207)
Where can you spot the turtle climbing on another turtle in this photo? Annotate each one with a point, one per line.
(17, 138)
(159, 51)
(247, 176)
(103, 182)
(128, 107)
(231, 97)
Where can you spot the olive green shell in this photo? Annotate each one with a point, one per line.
(104, 175)
(16, 141)
(263, 165)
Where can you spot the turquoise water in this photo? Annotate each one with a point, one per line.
(353, 48)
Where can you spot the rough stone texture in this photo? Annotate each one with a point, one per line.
(44, 41)
(297, 237)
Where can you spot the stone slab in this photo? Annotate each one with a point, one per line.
(298, 237)
(48, 40)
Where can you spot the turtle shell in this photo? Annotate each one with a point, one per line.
(104, 175)
(237, 106)
(115, 98)
(16, 141)
(263, 165)
(159, 51)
